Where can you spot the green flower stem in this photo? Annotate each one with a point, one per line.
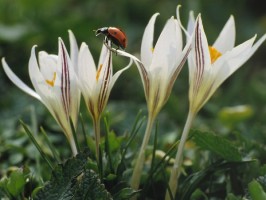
(135, 181)
(173, 182)
(96, 125)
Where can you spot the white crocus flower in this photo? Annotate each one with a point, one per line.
(159, 67)
(96, 83)
(161, 64)
(54, 81)
(209, 67)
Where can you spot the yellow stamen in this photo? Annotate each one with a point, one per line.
(152, 49)
(51, 82)
(98, 72)
(214, 53)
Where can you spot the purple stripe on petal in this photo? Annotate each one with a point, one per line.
(65, 82)
(104, 87)
(199, 57)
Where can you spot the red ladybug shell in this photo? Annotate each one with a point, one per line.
(118, 37)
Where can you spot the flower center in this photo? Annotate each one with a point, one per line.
(98, 72)
(214, 53)
(51, 82)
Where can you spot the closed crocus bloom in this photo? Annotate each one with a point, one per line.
(209, 67)
(159, 67)
(54, 83)
(96, 83)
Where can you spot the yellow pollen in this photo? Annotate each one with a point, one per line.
(98, 72)
(214, 53)
(152, 49)
(51, 82)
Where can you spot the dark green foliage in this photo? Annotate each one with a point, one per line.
(206, 179)
(217, 144)
(13, 184)
(74, 180)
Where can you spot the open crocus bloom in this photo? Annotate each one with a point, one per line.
(160, 65)
(210, 66)
(96, 83)
(54, 81)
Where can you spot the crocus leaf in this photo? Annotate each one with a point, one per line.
(217, 144)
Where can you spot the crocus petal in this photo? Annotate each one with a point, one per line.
(69, 90)
(63, 64)
(104, 81)
(18, 82)
(118, 73)
(74, 90)
(235, 59)
(36, 76)
(48, 66)
(167, 48)
(191, 23)
(199, 59)
(257, 45)
(226, 39)
(200, 68)
(147, 42)
(39, 84)
(179, 65)
(142, 70)
(73, 50)
(188, 34)
(87, 69)
(103, 55)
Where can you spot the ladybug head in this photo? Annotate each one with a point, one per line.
(103, 30)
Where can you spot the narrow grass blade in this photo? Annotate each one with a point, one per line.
(36, 144)
(135, 129)
(51, 146)
(83, 130)
(107, 146)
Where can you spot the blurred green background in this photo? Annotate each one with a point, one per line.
(24, 23)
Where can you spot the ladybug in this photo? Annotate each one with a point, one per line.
(115, 35)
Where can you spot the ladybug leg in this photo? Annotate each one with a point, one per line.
(105, 40)
(116, 51)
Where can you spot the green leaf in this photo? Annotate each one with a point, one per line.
(231, 196)
(196, 180)
(74, 180)
(3, 187)
(125, 193)
(217, 144)
(256, 191)
(90, 187)
(16, 183)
